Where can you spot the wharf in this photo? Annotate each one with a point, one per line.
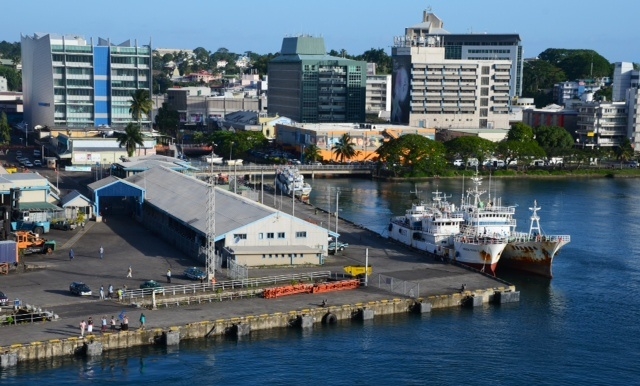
(127, 243)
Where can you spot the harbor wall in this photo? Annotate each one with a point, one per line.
(93, 345)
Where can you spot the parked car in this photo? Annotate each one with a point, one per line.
(152, 286)
(195, 273)
(340, 247)
(3, 298)
(458, 162)
(37, 163)
(63, 224)
(27, 164)
(79, 288)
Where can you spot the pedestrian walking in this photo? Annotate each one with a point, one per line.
(101, 252)
(125, 323)
(90, 325)
(129, 272)
(113, 323)
(83, 325)
(110, 291)
(71, 254)
(104, 324)
(101, 293)
(143, 320)
(168, 276)
(119, 293)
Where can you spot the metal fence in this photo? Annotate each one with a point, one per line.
(391, 284)
(133, 296)
(237, 271)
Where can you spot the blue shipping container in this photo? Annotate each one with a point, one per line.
(8, 252)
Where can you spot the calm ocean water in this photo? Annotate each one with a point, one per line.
(579, 328)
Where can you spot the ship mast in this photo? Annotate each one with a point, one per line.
(535, 219)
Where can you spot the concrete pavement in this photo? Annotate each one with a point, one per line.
(127, 243)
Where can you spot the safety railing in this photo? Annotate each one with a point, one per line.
(133, 296)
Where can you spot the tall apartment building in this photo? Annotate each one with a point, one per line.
(602, 124)
(473, 46)
(307, 85)
(432, 91)
(624, 78)
(378, 95)
(69, 81)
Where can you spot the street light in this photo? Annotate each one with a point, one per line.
(302, 154)
(26, 134)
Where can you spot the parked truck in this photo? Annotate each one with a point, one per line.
(358, 270)
(35, 222)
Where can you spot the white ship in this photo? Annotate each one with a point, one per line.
(428, 228)
(485, 231)
(290, 182)
(533, 252)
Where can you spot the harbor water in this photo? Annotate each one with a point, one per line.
(581, 327)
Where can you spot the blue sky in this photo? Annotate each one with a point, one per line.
(610, 28)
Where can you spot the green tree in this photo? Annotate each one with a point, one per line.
(415, 154)
(141, 104)
(467, 147)
(624, 152)
(130, 139)
(555, 141)
(161, 83)
(523, 152)
(312, 153)
(520, 132)
(540, 75)
(5, 129)
(13, 76)
(384, 63)
(343, 149)
(168, 120)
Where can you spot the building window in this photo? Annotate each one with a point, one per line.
(264, 256)
(260, 236)
(484, 91)
(281, 235)
(270, 256)
(270, 235)
(484, 112)
(484, 81)
(240, 236)
(484, 101)
(301, 235)
(485, 70)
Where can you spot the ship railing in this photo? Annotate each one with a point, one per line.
(502, 209)
(480, 240)
(523, 237)
(403, 223)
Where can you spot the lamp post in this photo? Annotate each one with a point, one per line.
(302, 154)
(26, 134)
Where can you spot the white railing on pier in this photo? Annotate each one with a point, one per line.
(222, 286)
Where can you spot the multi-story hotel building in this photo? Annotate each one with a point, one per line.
(432, 91)
(69, 81)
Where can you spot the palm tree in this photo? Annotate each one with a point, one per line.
(141, 104)
(130, 139)
(344, 148)
(312, 153)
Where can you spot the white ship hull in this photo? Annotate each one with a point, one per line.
(479, 254)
